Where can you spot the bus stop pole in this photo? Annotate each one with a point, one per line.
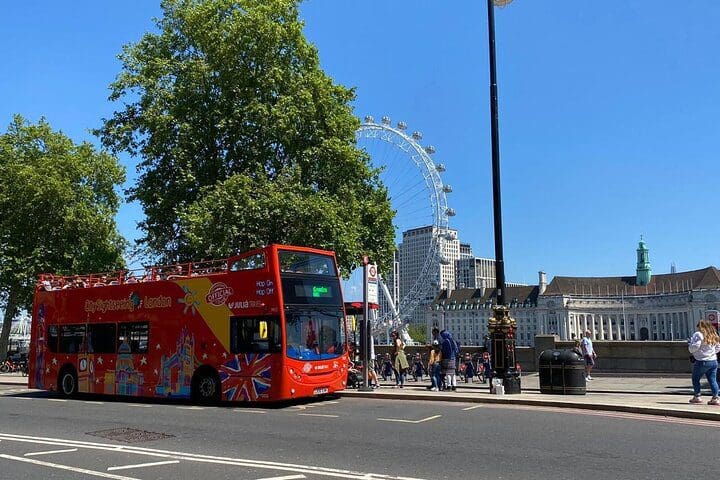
(365, 331)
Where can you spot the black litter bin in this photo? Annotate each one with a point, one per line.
(562, 372)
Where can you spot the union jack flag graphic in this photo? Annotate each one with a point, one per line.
(246, 376)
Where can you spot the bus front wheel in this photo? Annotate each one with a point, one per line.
(67, 383)
(206, 386)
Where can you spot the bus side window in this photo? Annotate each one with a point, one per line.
(52, 338)
(72, 338)
(133, 337)
(255, 334)
(101, 338)
(253, 262)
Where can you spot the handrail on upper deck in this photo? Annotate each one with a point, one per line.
(48, 281)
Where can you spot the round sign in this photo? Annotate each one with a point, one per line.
(712, 317)
(372, 271)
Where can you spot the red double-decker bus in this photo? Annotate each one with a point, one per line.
(262, 326)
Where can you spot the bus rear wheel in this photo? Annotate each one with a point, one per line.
(206, 386)
(67, 383)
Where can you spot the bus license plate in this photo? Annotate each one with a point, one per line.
(320, 391)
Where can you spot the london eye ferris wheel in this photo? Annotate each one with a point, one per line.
(419, 198)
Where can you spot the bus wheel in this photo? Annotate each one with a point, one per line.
(67, 383)
(206, 386)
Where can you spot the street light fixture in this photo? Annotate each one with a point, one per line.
(501, 326)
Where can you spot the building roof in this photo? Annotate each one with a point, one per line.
(461, 296)
(659, 283)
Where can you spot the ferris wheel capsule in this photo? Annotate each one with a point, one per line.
(417, 136)
(402, 126)
(369, 119)
(430, 149)
(447, 188)
(450, 212)
(440, 167)
(385, 120)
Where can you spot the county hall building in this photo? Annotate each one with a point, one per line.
(640, 307)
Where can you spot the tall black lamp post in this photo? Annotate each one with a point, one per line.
(501, 326)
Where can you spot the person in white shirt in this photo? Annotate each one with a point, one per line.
(589, 354)
(704, 346)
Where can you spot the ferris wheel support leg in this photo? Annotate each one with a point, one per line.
(388, 297)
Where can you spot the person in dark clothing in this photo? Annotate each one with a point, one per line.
(487, 368)
(469, 368)
(450, 351)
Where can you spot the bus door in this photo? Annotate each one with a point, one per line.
(255, 364)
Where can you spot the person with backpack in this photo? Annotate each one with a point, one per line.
(449, 349)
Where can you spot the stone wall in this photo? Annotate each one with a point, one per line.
(619, 357)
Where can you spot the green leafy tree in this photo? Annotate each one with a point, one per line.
(243, 139)
(418, 333)
(57, 209)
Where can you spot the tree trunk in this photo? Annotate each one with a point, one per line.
(11, 310)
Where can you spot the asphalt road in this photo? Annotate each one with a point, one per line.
(42, 436)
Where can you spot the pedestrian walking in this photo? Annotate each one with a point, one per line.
(469, 368)
(704, 346)
(589, 354)
(387, 367)
(418, 367)
(400, 362)
(487, 368)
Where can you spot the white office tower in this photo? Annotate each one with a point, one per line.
(413, 254)
(474, 272)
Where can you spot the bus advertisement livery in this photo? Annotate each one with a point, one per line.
(266, 325)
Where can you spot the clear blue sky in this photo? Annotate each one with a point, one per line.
(608, 111)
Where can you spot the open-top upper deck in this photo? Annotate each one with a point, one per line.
(318, 262)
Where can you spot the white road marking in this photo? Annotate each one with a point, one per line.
(287, 477)
(94, 402)
(174, 455)
(191, 408)
(248, 410)
(57, 400)
(65, 467)
(472, 408)
(613, 414)
(318, 415)
(139, 405)
(50, 452)
(399, 420)
(142, 465)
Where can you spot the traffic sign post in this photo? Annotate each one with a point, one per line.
(372, 283)
(365, 330)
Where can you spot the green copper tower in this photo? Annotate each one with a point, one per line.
(644, 271)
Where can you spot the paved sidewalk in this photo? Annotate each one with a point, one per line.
(13, 379)
(652, 394)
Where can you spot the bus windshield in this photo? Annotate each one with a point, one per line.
(315, 334)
